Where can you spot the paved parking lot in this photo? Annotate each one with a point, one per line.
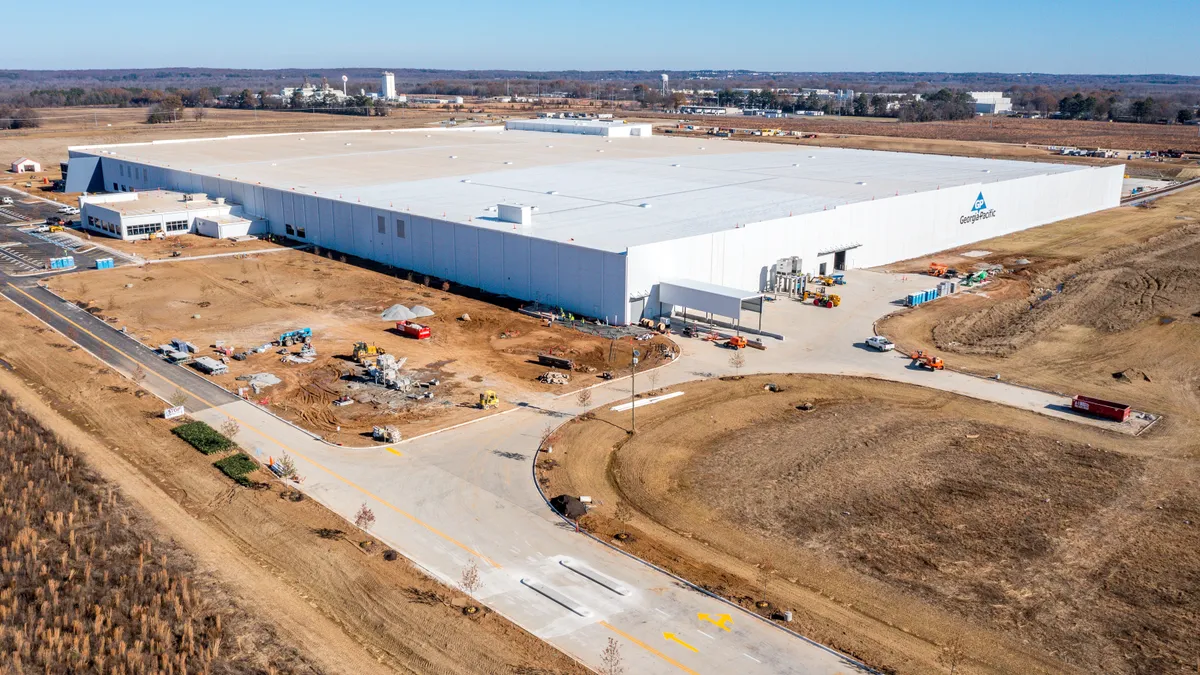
(25, 208)
(24, 252)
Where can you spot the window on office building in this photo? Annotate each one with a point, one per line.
(291, 231)
(144, 228)
(114, 187)
(177, 226)
(300, 232)
(400, 228)
(382, 224)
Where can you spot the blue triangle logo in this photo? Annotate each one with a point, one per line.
(980, 205)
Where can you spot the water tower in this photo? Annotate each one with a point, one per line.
(344, 80)
(664, 85)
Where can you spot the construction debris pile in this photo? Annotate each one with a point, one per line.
(551, 377)
(401, 313)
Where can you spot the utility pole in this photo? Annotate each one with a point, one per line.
(633, 394)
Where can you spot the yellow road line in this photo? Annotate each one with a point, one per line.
(648, 648)
(243, 423)
(395, 452)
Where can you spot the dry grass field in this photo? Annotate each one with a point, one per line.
(893, 521)
(90, 586)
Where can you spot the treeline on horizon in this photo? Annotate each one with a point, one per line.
(1135, 98)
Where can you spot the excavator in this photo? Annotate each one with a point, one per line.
(940, 270)
(923, 360)
(488, 399)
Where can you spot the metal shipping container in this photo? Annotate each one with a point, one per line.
(1101, 408)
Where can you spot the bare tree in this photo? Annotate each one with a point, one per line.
(470, 581)
(584, 398)
(652, 376)
(953, 654)
(199, 113)
(547, 433)
(287, 466)
(736, 362)
(230, 428)
(177, 398)
(763, 576)
(365, 518)
(610, 659)
(624, 514)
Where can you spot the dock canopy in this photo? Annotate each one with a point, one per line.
(710, 298)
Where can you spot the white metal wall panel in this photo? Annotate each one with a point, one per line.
(312, 219)
(518, 282)
(422, 244)
(466, 255)
(327, 237)
(363, 223)
(543, 271)
(275, 214)
(615, 305)
(491, 261)
(443, 248)
(402, 247)
(343, 239)
(381, 243)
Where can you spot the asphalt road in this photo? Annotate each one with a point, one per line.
(466, 496)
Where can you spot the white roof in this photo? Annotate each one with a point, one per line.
(589, 190)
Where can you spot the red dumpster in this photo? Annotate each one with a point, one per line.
(413, 330)
(1101, 408)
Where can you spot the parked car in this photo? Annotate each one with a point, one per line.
(881, 343)
(42, 228)
(69, 211)
(7, 201)
(55, 220)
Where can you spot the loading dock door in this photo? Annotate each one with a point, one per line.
(839, 261)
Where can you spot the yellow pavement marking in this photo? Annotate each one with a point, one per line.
(246, 425)
(648, 648)
(395, 452)
(721, 621)
(672, 638)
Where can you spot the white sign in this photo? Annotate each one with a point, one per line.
(172, 413)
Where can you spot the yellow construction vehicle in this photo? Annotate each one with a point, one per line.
(823, 300)
(56, 228)
(365, 352)
(488, 399)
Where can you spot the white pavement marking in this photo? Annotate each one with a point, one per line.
(557, 597)
(751, 658)
(645, 401)
(705, 634)
(598, 577)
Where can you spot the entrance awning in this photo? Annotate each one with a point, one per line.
(710, 298)
(838, 249)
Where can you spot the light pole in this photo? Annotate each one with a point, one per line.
(633, 394)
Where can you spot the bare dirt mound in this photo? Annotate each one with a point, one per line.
(1044, 546)
(1112, 292)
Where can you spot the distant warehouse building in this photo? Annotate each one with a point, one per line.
(602, 225)
(991, 102)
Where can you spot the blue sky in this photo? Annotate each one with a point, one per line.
(1049, 36)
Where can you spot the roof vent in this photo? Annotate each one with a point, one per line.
(515, 213)
(466, 180)
(508, 162)
(862, 182)
(453, 156)
(552, 192)
(644, 205)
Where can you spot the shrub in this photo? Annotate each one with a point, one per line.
(236, 467)
(203, 437)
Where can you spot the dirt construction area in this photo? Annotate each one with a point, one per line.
(914, 529)
(315, 597)
(250, 301)
(1106, 305)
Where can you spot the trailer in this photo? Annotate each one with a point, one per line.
(413, 330)
(1118, 412)
(210, 366)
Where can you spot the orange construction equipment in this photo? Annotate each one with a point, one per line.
(938, 269)
(736, 342)
(923, 360)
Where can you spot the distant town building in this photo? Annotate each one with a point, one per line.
(387, 86)
(991, 102)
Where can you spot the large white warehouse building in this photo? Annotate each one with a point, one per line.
(593, 224)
